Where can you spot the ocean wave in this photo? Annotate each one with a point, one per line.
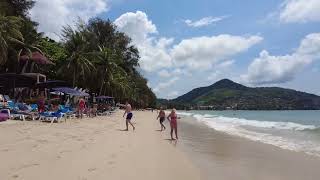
(235, 126)
(258, 124)
(184, 113)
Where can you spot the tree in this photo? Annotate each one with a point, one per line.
(16, 7)
(10, 36)
(78, 57)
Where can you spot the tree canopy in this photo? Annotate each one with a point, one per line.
(93, 55)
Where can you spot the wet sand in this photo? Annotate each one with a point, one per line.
(221, 156)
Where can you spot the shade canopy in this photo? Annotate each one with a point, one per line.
(104, 97)
(70, 91)
(12, 80)
(51, 84)
(36, 57)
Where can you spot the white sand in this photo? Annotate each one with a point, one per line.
(91, 149)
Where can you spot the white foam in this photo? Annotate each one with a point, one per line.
(259, 124)
(235, 126)
(184, 113)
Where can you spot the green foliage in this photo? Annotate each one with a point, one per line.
(10, 36)
(94, 56)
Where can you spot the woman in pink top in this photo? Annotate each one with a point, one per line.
(82, 105)
(172, 118)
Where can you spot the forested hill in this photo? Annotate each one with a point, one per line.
(226, 94)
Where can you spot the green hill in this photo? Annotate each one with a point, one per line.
(226, 94)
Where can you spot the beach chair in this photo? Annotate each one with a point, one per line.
(52, 116)
(69, 113)
(22, 111)
(14, 112)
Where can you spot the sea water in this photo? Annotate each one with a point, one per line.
(293, 130)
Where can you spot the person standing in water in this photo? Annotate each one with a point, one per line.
(127, 111)
(161, 117)
(172, 118)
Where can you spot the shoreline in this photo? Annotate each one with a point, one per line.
(217, 154)
(98, 148)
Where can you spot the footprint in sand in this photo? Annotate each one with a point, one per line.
(92, 169)
(111, 162)
(15, 176)
(27, 166)
(113, 156)
(42, 141)
(64, 151)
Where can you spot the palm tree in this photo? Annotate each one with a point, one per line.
(78, 60)
(108, 64)
(9, 35)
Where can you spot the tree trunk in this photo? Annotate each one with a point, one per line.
(101, 87)
(74, 78)
(32, 66)
(25, 67)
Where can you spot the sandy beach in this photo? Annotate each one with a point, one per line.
(91, 149)
(97, 148)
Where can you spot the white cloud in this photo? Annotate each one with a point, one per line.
(300, 11)
(204, 52)
(164, 73)
(204, 21)
(52, 15)
(137, 25)
(157, 52)
(166, 84)
(220, 71)
(172, 94)
(153, 51)
(268, 69)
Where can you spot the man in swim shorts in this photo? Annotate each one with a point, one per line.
(127, 111)
(161, 117)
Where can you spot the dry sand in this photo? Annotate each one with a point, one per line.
(91, 148)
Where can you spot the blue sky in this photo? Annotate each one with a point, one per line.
(187, 44)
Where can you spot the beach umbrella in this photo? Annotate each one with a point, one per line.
(36, 57)
(70, 91)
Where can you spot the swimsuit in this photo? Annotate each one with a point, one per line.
(81, 105)
(173, 122)
(162, 119)
(129, 116)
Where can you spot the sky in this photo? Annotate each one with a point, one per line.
(185, 44)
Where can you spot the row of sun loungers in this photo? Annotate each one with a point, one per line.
(23, 112)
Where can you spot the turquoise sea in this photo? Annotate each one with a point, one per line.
(293, 130)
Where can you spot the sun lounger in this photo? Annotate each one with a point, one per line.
(52, 116)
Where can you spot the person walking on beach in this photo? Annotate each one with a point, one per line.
(127, 111)
(161, 117)
(172, 118)
(82, 105)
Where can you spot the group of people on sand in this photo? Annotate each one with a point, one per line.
(172, 118)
